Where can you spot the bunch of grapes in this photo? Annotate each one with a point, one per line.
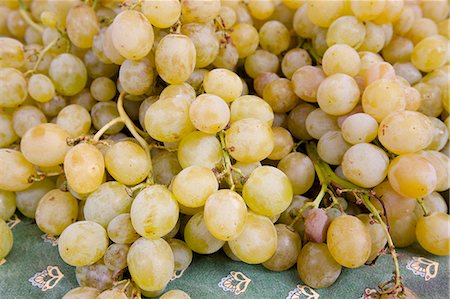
(281, 131)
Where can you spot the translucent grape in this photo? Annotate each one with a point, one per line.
(68, 74)
(82, 25)
(302, 24)
(209, 113)
(184, 91)
(431, 99)
(249, 106)
(205, 41)
(430, 53)
(11, 53)
(82, 293)
(25, 118)
(347, 30)
(440, 162)
(283, 143)
(306, 81)
(112, 294)
(341, 58)
(116, 257)
(300, 171)
(200, 11)
(223, 83)
(161, 13)
(398, 50)
(104, 112)
(367, 10)
(324, 13)
(103, 89)
(41, 88)
(198, 237)
(7, 204)
(338, 94)
(175, 294)
(293, 60)
(182, 254)
(28, 199)
(13, 87)
(274, 37)
(403, 230)
(201, 149)
(332, 147)
(391, 11)
(121, 231)
(6, 238)
(377, 235)
(227, 57)
(297, 121)
(374, 40)
(359, 128)
(75, 119)
(245, 38)
(280, 95)
(7, 133)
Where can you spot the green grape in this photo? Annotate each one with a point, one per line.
(199, 11)
(82, 293)
(15, 170)
(297, 121)
(311, 256)
(83, 243)
(68, 74)
(137, 76)
(198, 237)
(209, 113)
(103, 89)
(112, 294)
(289, 245)
(267, 191)
(405, 132)
(45, 145)
(323, 13)
(97, 68)
(347, 30)
(249, 140)
(412, 175)
(107, 202)
(291, 212)
(161, 13)
(193, 185)
(7, 133)
(367, 10)
(182, 91)
(283, 143)
(403, 230)
(432, 98)
(245, 38)
(82, 25)
(261, 61)
(365, 165)
(443, 28)
(83, 98)
(338, 94)
(53, 107)
(25, 118)
(13, 87)
(432, 233)
(154, 212)
(11, 53)
(116, 257)
(41, 88)
(293, 60)
(274, 37)
(223, 83)
(376, 233)
(250, 106)
(398, 50)
(225, 214)
(151, 263)
(121, 231)
(86, 159)
(280, 95)
(205, 41)
(55, 211)
(4, 12)
(28, 199)
(341, 58)
(375, 38)
(175, 47)
(440, 162)
(96, 276)
(102, 113)
(168, 120)
(349, 241)
(227, 57)
(430, 53)
(6, 238)
(258, 241)
(75, 119)
(306, 81)
(300, 170)
(127, 162)
(182, 254)
(359, 128)
(200, 149)
(7, 204)
(367, 60)
(332, 147)
(165, 167)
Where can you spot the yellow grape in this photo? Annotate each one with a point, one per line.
(332, 147)
(201, 149)
(245, 38)
(6, 238)
(306, 81)
(300, 170)
(359, 128)
(223, 83)
(283, 143)
(199, 11)
(68, 74)
(338, 94)
(261, 10)
(323, 13)
(375, 38)
(421, 29)
(367, 10)
(7, 133)
(391, 12)
(341, 58)
(302, 24)
(82, 25)
(205, 41)
(274, 37)
(293, 60)
(280, 95)
(430, 53)
(250, 106)
(161, 13)
(209, 113)
(75, 119)
(198, 237)
(137, 76)
(13, 88)
(433, 235)
(11, 53)
(347, 30)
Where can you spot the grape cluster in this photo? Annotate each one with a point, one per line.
(281, 131)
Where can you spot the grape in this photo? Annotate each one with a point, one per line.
(83, 98)
(300, 171)
(106, 47)
(293, 60)
(121, 230)
(431, 99)
(349, 241)
(274, 37)
(283, 143)
(102, 113)
(200, 149)
(41, 88)
(55, 211)
(11, 53)
(209, 113)
(183, 91)
(332, 147)
(323, 13)
(68, 74)
(341, 58)
(392, 10)
(359, 128)
(15, 170)
(83, 243)
(403, 230)
(306, 81)
(198, 237)
(165, 167)
(374, 40)
(82, 293)
(434, 203)
(347, 30)
(289, 245)
(412, 175)
(7, 204)
(103, 89)
(182, 254)
(246, 169)
(261, 10)
(311, 256)
(193, 185)
(430, 53)
(291, 212)
(136, 76)
(245, 38)
(280, 95)
(443, 28)
(175, 294)
(107, 202)
(116, 256)
(297, 121)
(367, 10)
(96, 68)
(421, 29)
(261, 61)
(6, 238)
(258, 241)
(316, 225)
(28, 199)
(16, 24)
(338, 94)
(405, 21)
(440, 163)
(376, 233)
(26, 117)
(53, 107)
(112, 294)
(205, 41)
(7, 133)
(302, 24)
(161, 13)
(267, 191)
(250, 106)
(96, 276)
(225, 214)
(87, 159)
(398, 50)
(175, 47)
(200, 11)
(13, 87)
(154, 212)
(75, 119)
(227, 57)
(82, 25)
(168, 120)
(223, 83)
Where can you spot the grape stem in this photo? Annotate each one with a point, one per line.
(422, 205)
(24, 13)
(41, 56)
(106, 127)
(227, 161)
(329, 178)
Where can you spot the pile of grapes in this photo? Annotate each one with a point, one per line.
(281, 131)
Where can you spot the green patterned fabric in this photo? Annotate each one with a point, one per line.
(34, 270)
